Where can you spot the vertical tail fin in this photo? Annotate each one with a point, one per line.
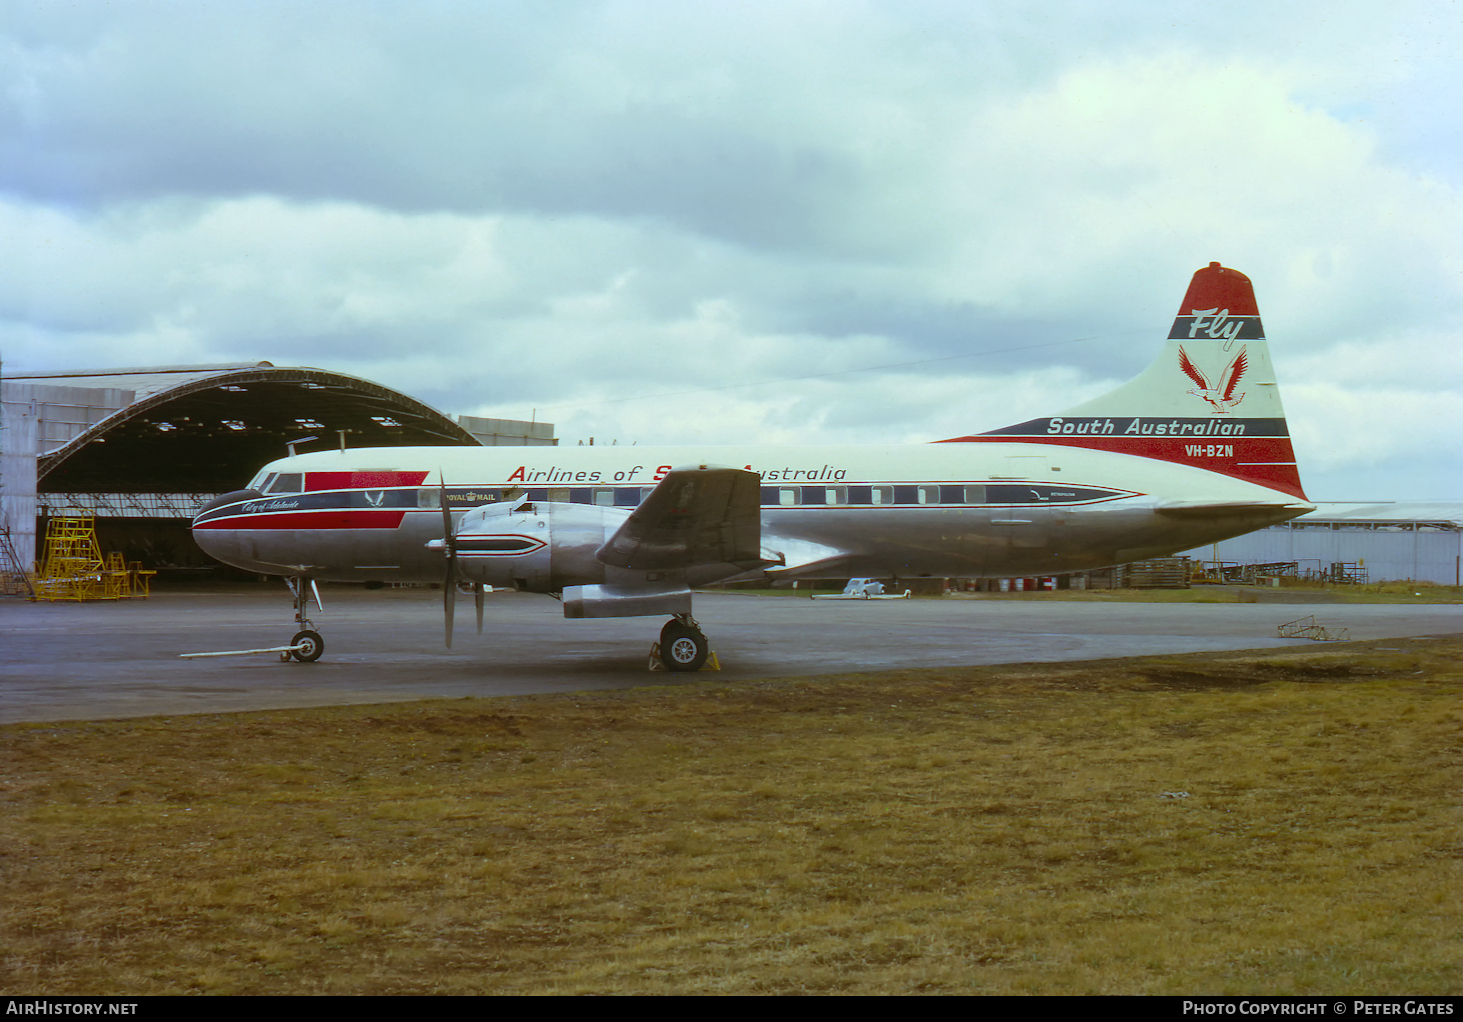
(1210, 400)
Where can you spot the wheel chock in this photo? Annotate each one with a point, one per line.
(657, 664)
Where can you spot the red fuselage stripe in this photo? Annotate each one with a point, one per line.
(341, 519)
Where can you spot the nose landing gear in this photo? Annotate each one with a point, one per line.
(307, 646)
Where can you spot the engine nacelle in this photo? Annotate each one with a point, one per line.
(537, 546)
(671, 598)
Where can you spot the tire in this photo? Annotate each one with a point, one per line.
(314, 647)
(682, 648)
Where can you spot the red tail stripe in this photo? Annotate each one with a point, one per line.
(1266, 461)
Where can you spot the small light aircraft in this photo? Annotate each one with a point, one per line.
(1151, 468)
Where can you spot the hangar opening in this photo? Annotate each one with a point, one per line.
(144, 448)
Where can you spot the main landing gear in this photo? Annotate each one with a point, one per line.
(307, 646)
(683, 646)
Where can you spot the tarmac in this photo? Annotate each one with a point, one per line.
(92, 661)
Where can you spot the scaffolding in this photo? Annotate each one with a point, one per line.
(139, 579)
(14, 579)
(1348, 573)
(74, 568)
(71, 565)
(1234, 573)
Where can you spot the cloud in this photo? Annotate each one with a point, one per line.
(515, 206)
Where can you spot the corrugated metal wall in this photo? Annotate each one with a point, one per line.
(1425, 554)
(36, 419)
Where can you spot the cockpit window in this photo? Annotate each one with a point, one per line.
(260, 481)
(287, 482)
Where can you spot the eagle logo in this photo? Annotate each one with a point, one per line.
(1220, 394)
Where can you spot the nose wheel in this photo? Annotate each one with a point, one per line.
(308, 646)
(683, 646)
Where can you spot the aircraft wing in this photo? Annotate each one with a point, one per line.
(697, 515)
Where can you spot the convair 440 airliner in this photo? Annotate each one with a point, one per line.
(1192, 451)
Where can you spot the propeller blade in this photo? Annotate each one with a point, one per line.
(477, 599)
(449, 597)
(449, 583)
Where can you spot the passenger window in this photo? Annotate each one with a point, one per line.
(975, 495)
(604, 498)
(882, 495)
(787, 496)
(429, 500)
(836, 495)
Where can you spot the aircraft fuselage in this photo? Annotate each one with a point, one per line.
(955, 509)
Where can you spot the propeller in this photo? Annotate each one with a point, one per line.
(449, 584)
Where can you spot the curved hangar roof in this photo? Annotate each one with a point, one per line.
(209, 428)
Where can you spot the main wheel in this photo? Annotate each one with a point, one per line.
(682, 648)
(311, 647)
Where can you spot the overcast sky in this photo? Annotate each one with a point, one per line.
(858, 222)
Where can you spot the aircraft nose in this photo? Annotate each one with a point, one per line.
(217, 540)
(224, 499)
(220, 544)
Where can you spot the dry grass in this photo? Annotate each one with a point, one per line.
(1223, 823)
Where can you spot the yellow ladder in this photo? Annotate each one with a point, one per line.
(72, 568)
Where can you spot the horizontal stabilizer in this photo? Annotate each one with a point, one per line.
(1203, 509)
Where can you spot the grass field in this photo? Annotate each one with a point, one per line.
(1278, 822)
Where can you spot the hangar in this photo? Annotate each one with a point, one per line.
(143, 448)
(1421, 541)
